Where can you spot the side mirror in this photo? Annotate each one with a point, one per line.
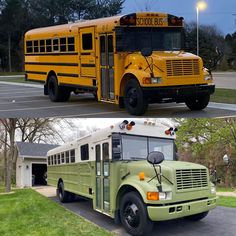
(146, 52)
(155, 158)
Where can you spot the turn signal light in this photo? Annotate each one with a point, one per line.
(146, 80)
(141, 176)
(154, 196)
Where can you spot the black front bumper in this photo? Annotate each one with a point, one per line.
(176, 93)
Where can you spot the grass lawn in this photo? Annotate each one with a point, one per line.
(27, 213)
(224, 96)
(227, 201)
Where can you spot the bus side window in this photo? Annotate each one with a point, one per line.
(36, 46)
(42, 45)
(67, 157)
(84, 152)
(49, 161)
(55, 45)
(71, 44)
(51, 158)
(49, 45)
(98, 159)
(87, 41)
(63, 45)
(55, 159)
(72, 156)
(29, 46)
(58, 159)
(62, 158)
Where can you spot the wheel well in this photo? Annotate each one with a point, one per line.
(124, 81)
(123, 190)
(51, 73)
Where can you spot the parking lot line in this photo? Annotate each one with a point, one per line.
(22, 102)
(21, 92)
(51, 107)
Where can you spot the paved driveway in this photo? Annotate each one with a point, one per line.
(219, 222)
(29, 101)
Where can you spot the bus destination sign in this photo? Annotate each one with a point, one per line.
(152, 21)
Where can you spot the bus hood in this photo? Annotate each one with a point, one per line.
(170, 169)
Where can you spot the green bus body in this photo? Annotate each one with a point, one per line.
(105, 180)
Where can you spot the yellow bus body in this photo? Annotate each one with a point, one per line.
(85, 57)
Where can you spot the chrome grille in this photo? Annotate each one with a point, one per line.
(182, 67)
(191, 179)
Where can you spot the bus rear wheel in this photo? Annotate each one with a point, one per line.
(134, 101)
(62, 194)
(197, 104)
(57, 93)
(133, 215)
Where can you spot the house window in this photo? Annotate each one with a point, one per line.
(84, 152)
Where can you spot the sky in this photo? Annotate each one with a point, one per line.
(219, 12)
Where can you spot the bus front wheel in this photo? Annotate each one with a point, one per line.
(134, 101)
(57, 93)
(197, 104)
(133, 215)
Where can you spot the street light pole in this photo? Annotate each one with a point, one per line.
(197, 30)
(200, 6)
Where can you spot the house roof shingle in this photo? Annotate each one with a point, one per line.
(34, 149)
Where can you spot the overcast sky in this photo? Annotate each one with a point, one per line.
(219, 12)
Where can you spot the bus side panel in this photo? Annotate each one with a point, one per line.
(77, 178)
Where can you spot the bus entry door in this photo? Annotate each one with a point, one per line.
(107, 84)
(102, 178)
(87, 53)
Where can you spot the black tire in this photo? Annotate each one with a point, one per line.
(134, 100)
(57, 93)
(133, 215)
(197, 217)
(197, 104)
(63, 195)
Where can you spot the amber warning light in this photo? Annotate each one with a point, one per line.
(128, 20)
(175, 21)
(171, 131)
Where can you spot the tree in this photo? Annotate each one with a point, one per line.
(30, 130)
(206, 141)
(211, 43)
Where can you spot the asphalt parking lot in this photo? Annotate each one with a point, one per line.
(26, 101)
(219, 222)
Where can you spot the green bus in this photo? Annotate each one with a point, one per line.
(131, 173)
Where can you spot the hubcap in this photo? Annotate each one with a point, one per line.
(132, 97)
(131, 215)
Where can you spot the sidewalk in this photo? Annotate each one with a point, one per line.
(226, 194)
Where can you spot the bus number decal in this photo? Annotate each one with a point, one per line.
(150, 21)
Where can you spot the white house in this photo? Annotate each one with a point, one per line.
(31, 163)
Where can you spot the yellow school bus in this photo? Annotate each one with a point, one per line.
(131, 60)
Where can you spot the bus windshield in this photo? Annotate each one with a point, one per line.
(157, 39)
(138, 147)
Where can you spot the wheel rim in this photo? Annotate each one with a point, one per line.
(131, 215)
(60, 193)
(132, 97)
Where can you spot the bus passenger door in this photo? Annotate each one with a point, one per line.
(102, 177)
(87, 53)
(107, 85)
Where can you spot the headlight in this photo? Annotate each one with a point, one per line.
(156, 80)
(208, 78)
(213, 190)
(155, 196)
